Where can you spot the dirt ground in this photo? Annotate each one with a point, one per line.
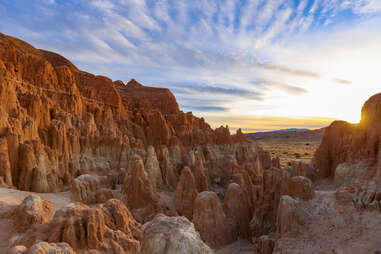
(330, 225)
(10, 198)
(289, 150)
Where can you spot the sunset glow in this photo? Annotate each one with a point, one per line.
(258, 65)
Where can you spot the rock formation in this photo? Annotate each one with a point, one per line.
(289, 216)
(300, 187)
(172, 235)
(152, 168)
(201, 178)
(64, 129)
(33, 210)
(43, 248)
(58, 122)
(185, 194)
(210, 220)
(138, 189)
(88, 189)
(345, 142)
(237, 210)
(109, 226)
(265, 245)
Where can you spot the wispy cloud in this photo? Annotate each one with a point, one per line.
(214, 90)
(204, 49)
(206, 108)
(342, 81)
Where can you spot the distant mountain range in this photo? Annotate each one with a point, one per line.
(290, 129)
(289, 134)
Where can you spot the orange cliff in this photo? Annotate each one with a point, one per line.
(65, 129)
(58, 122)
(350, 143)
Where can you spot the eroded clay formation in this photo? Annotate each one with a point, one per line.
(134, 163)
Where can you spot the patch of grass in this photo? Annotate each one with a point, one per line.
(288, 150)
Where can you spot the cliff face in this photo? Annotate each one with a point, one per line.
(57, 122)
(344, 142)
(62, 128)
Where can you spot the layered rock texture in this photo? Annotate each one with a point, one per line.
(109, 227)
(145, 177)
(126, 153)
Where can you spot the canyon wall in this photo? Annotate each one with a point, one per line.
(62, 129)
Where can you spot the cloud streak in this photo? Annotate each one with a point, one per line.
(243, 54)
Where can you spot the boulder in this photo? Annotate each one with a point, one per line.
(33, 210)
(172, 235)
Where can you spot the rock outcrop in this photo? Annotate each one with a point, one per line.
(109, 227)
(152, 168)
(138, 191)
(90, 189)
(33, 210)
(185, 194)
(300, 187)
(58, 122)
(289, 217)
(172, 235)
(345, 142)
(237, 210)
(210, 220)
(62, 128)
(43, 248)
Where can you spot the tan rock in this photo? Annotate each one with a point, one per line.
(210, 220)
(17, 250)
(5, 166)
(300, 187)
(137, 187)
(85, 188)
(33, 210)
(152, 168)
(289, 217)
(107, 227)
(172, 235)
(237, 210)
(201, 178)
(47, 248)
(185, 194)
(138, 191)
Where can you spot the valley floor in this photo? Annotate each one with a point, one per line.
(327, 225)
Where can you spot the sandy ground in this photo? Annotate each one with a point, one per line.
(15, 197)
(329, 225)
(10, 197)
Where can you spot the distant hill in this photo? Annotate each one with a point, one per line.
(291, 129)
(288, 134)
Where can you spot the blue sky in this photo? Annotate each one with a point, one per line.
(259, 64)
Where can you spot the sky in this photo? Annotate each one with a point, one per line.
(255, 64)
